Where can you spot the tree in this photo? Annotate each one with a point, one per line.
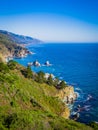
(62, 84)
(40, 77)
(12, 64)
(50, 80)
(3, 68)
(29, 72)
(94, 125)
(56, 82)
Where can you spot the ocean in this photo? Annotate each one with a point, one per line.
(77, 64)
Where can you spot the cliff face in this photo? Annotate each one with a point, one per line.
(9, 48)
(12, 45)
(66, 113)
(67, 94)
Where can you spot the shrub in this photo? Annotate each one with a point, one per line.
(50, 80)
(62, 84)
(56, 82)
(40, 78)
(94, 125)
(12, 64)
(27, 72)
(3, 68)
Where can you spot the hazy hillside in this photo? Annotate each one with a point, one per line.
(9, 48)
(20, 39)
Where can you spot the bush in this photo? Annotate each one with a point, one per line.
(10, 120)
(61, 85)
(3, 68)
(94, 125)
(27, 72)
(12, 64)
(40, 78)
(50, 80)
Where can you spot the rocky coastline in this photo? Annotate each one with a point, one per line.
(20, 52)
(67, 94)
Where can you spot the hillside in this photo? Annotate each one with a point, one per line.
(20, 39)
(26, 104)
(10, 48)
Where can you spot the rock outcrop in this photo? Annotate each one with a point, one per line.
(66, 113)
(67, 94)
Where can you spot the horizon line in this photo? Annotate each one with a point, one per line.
(55, 42)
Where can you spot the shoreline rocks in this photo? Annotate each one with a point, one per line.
(68, 96)
(18, 53)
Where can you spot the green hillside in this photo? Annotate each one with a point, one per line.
(28, 105)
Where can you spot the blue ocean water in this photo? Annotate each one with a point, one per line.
(78, 65)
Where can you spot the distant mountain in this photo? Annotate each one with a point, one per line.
(20, 39)
(11, 46)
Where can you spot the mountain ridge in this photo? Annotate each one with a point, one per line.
(20, 39)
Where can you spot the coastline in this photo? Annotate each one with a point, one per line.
(67, 95)
(79, 82)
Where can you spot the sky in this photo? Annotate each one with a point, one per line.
(51, 20)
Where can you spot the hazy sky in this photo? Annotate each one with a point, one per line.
(51, 20)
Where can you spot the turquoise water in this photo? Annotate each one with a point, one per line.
(78, 65)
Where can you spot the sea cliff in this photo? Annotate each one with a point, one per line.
(68, 96)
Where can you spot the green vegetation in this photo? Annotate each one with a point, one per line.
(27, 72)
(94, 125)
(29, 105)
(3, 68)
(12, 64)
(50, 80)
(40, 77)
(62, 84)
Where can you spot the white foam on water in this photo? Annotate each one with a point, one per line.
(78, 89)
(78, 95)
(89, 97)
(73, 113)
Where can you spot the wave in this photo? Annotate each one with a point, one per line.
(78, 89)
(78, 94)
(89, 97)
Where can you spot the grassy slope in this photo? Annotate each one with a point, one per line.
(25, 104)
